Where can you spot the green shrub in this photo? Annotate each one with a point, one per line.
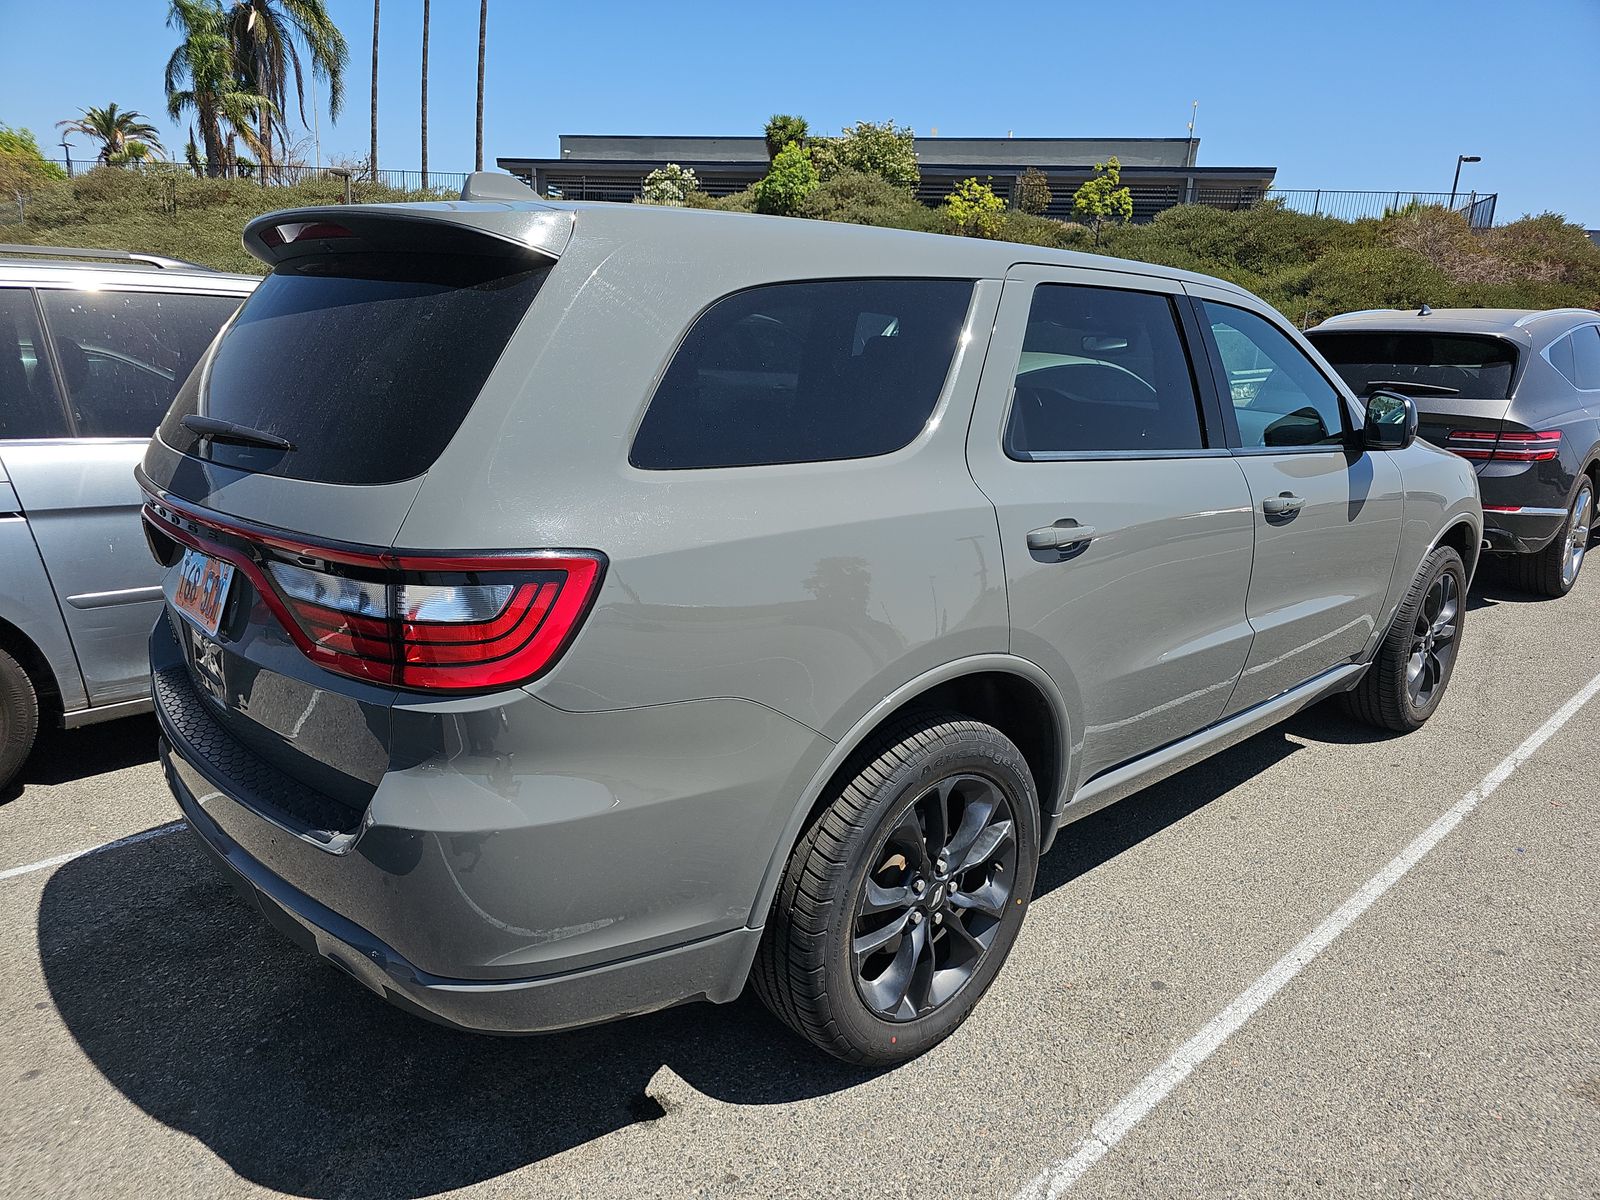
(973, 210)
(1033, 191)
(861, 199)
(884, 149)
(792, 177)
(1034, 230)
(669, 185)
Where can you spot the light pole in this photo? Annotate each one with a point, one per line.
(1456, 182)
(67, 147)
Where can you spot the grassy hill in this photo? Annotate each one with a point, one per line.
(1309, 267)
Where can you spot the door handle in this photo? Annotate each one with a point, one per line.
(1059, 536)
(1282, 505)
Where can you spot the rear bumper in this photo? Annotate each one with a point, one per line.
(1522, 531)
(710, 969)
(544, 870)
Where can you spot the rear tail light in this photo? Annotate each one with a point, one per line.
(424, 622)
(1508, 445)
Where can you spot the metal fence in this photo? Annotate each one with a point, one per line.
(1354, 206)
(289, 175)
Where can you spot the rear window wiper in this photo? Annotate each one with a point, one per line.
(219, 430)
(1409, 388)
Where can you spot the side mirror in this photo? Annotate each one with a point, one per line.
(1391, 421)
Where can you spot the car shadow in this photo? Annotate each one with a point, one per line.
(62, 756)
(303, 1082)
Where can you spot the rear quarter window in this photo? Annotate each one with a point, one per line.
(805, 372)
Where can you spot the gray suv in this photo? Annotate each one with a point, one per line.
(574, 609)
(93, 347)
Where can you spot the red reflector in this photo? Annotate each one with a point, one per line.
(302, 231)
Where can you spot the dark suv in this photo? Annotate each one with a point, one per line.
(1518, 394)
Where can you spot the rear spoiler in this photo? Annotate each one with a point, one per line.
(526, 230)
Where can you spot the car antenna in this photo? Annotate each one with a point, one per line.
(1424, 311)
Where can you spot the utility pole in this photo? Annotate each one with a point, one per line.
(483, 28)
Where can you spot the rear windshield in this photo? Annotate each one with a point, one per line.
(1477, 367)
(368, 364)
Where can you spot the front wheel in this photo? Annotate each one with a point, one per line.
(1407, 678)
(901, 901)
(1553, 570)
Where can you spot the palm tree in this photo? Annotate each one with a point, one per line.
(265, 37)
(483, 28)
(124, 135)
(372, 164)
(425, 95)
(203, 75)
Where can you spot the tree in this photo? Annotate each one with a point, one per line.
(425, 5)
(973, 210)
(1102, 200)
(483, 37)
(883, 149)
(265, 37)
(783, 129)
(792, 177)
(372, 159)
(22, 166)
(204, 76)
(669, 185)
(118, 131)
(1033, 191)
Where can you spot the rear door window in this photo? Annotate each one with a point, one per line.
(1102, 370)
(805, 372)
(366, 363)
(29, 406)
(1460, 364)
(123, 355)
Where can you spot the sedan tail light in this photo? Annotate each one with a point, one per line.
(1506, 445)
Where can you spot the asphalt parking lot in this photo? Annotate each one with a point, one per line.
(160, 1040)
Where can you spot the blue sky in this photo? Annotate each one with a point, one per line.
(1350, 95)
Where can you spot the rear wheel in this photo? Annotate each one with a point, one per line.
(19, 717)
(901, 901)
(1553, 570)
(1407, 678)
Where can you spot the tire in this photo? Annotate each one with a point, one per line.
(934, 779)
(19, 717)
(1388, 694)
(1554, 570)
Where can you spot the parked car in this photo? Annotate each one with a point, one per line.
(577, 609)
(92, 351)
(1516, 393)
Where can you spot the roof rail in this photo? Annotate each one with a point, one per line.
(1550, 312)
(154, 260)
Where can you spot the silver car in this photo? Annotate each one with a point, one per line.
(574, 609)
(91, 354)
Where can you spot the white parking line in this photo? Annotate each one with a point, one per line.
(44, 864)
(1155, 1087)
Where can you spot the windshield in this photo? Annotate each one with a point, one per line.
(366, 363)
(1447, 364)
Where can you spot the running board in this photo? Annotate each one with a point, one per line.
(1119, 782)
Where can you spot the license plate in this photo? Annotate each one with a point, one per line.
(203, 589)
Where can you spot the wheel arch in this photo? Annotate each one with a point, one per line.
(1013, 694)
(1467, 541)
(33, 660)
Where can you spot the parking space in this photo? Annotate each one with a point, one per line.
(161, 1040)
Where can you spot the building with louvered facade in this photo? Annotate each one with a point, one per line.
(1160, 172)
